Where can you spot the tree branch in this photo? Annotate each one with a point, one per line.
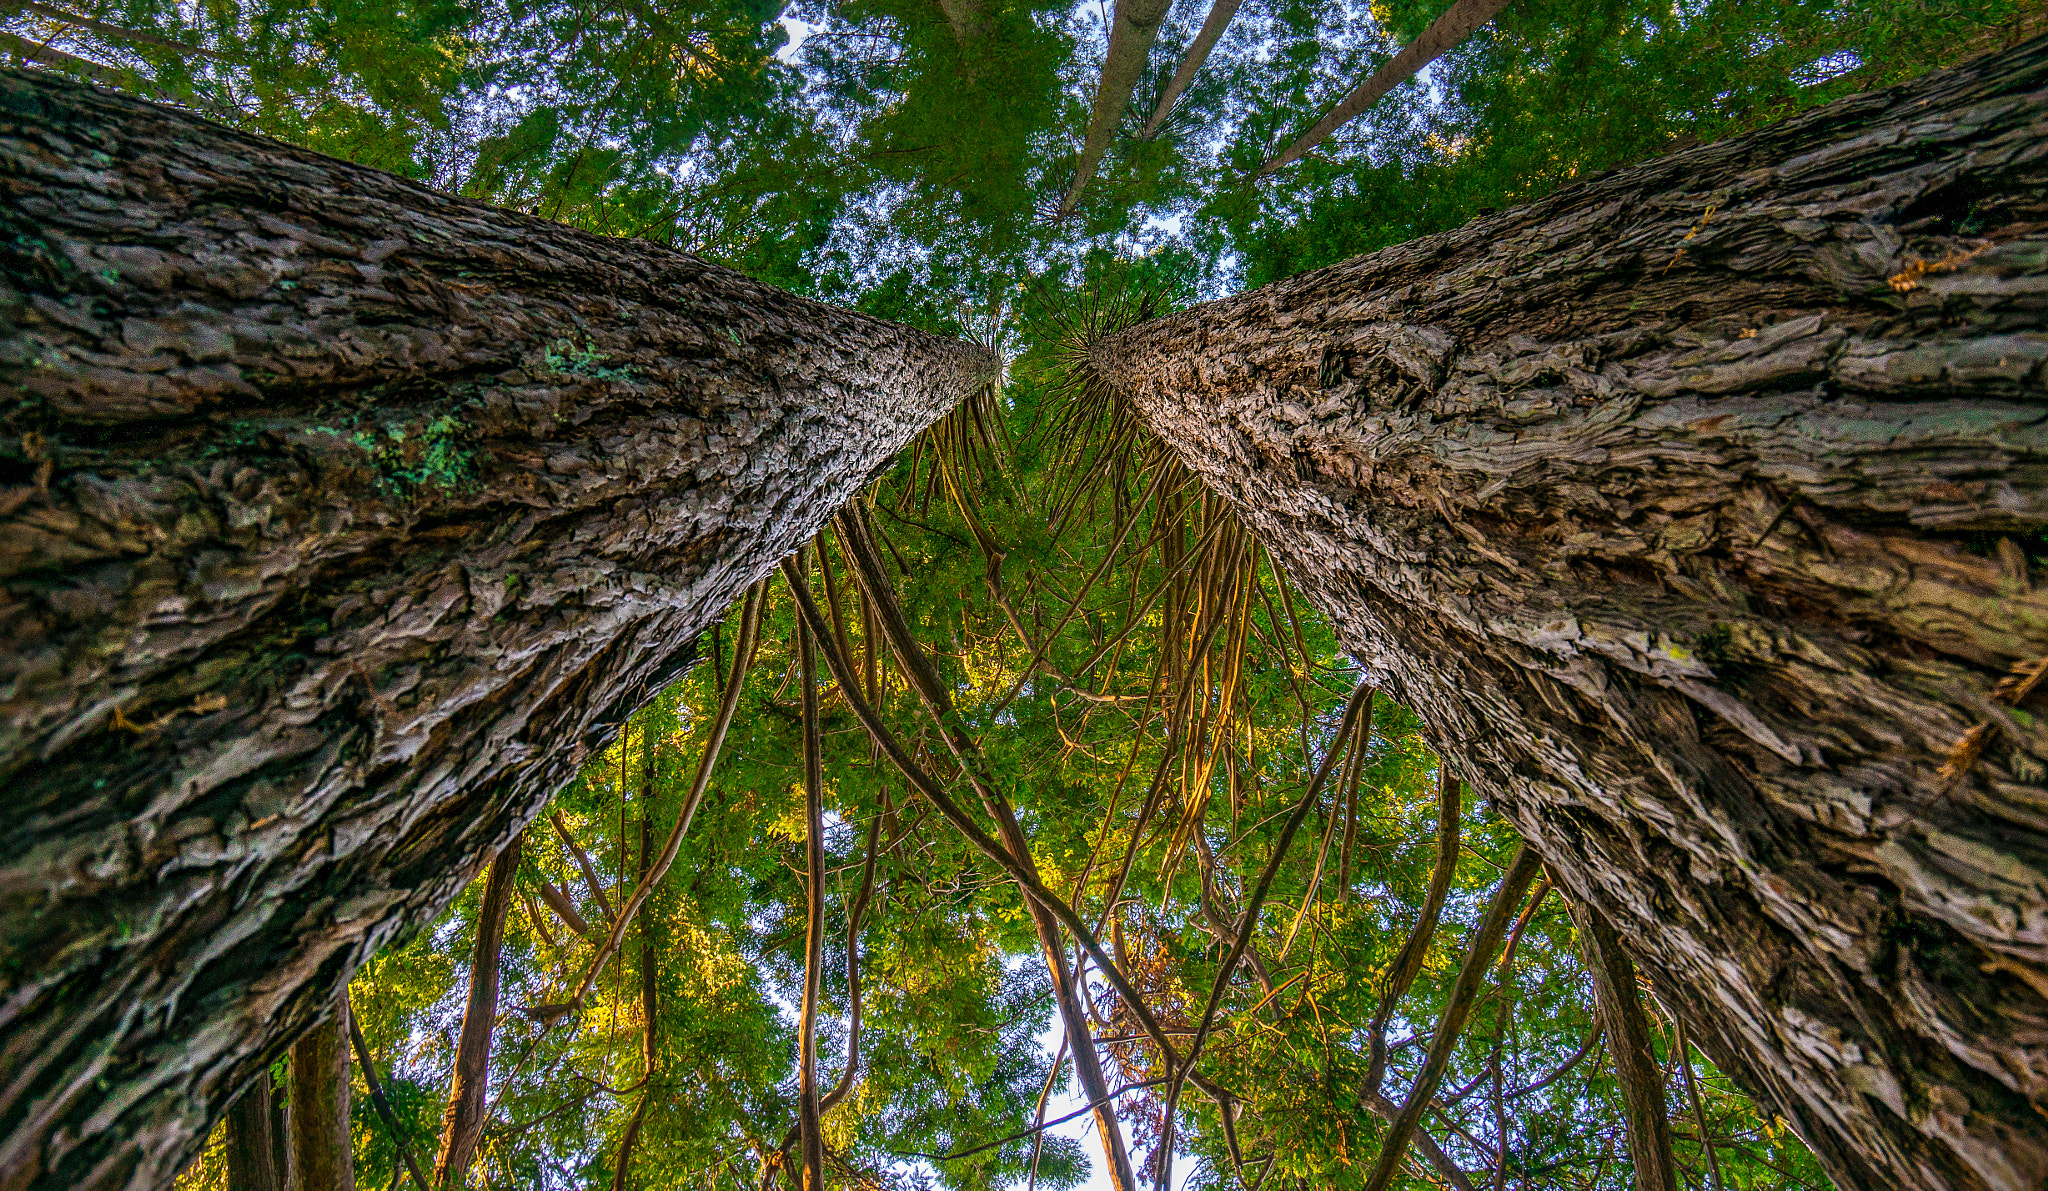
(1506, 900)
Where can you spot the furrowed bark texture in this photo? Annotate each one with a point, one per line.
(338, 518)
(1691, 507)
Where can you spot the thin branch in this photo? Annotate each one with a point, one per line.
(1347, 735)
(1506, 900)
(590, 877)
(854, 918)
(381, 1103)
(814, 921)
(1084, 1110)
(1699, 1114)
(1408, 964)
(135, 36)
(743, 657)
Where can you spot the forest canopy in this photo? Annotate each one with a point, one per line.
(700, 936)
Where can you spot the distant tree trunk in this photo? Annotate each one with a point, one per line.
(1458, 22)
(1133, 25)
(252, 1147)
(339, 519)
(650, 1016)
(322, 1156)
(462, 1125)
(1697, 510)
(1620, 1003)
(969, 19)
(1213, 25)
(807, 1111)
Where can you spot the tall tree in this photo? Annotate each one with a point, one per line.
(254, 1149)
(1457, 23)
(342, 518)
(462, 1124)
(1694, 508)
(1133, 26)
(1213, 25)
(322, 1155)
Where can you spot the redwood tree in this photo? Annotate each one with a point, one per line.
(339, 518)
(1698, 509)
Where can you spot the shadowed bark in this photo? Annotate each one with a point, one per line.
(252, 1147)
(339, 518)
(322, 1157)
(1673, 504)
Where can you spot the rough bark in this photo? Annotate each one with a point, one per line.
(462, 1123)
(1132, 27)
(270, 694)
(322, 1156)
(1669, 502)
(1620, 1003)
(1455, 24)
(252, 1147)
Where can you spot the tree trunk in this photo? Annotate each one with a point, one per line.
(252, 1149)
(1620, 1003)
(1132, 28)
(322, 1156)
(462, 1125)
(1452, 26)
(814, 917)
(1690, 507)
(1213, 25)
(969, 19)
(339, 519)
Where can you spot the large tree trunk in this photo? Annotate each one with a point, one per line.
(1691, 507)
(462, 1123)
(338, 518)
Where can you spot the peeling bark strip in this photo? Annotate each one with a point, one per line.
(1672, 503)
(336, 516)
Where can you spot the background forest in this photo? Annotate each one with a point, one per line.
(1140, 681)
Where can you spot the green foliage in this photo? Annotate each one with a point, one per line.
(410, 459)
(906, 160)
(569, 360)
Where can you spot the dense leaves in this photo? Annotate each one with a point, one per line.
(1149, 695)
